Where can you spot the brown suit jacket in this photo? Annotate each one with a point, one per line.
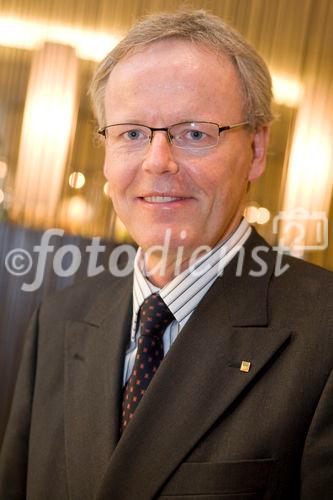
(205, 429)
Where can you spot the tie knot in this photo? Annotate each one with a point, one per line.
(155, 316)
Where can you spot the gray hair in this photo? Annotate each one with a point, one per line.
(202, 28)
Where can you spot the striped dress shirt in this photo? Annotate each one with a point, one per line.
(184, 292)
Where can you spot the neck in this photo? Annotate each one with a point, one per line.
(161, 270)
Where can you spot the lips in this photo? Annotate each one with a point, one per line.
(163, 196)
(162, 199)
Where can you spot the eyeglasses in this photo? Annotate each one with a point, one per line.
(185, 135)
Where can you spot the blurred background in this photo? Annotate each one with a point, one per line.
(51, 159)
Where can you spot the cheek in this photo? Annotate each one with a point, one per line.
(118, 177)
(223, 179)
(210, 176)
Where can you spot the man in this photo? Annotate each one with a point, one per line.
(207, 373)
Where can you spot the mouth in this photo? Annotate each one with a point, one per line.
(162, 199)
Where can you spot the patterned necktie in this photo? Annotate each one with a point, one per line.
(155, 316)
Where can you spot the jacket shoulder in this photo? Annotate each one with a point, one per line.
(305, 292)
(301, 274)
(74, 301)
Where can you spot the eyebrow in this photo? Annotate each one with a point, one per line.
(143, 122)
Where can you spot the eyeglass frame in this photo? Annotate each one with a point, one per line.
(221, 128)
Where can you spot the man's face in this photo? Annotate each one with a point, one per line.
(170, 82)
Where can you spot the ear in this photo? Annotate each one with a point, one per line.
(106, 169)
(259, 149)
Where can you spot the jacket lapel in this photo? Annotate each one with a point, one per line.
(198, 380)
(94, 352)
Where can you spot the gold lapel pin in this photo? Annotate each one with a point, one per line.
(245, 366)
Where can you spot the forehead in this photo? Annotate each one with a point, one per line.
(177, 73)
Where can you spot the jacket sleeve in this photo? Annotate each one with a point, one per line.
(14, 452)
(317, 462)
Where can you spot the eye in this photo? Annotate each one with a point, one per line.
(192, 135)
(134, 135)
(195, 135)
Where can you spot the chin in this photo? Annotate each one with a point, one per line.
(148, 235)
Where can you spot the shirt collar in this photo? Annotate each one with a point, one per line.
(196, 278)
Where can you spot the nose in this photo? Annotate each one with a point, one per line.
(159, 158)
